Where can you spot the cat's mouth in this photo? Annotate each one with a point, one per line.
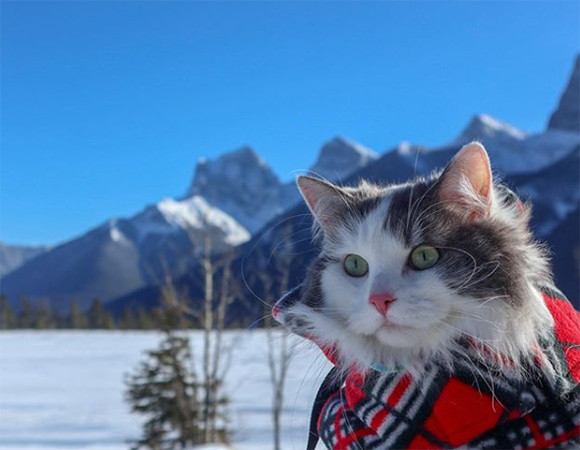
(391, 326)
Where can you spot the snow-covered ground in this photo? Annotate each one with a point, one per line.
(64, 389)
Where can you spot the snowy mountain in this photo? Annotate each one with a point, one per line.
(193, 214)
(565, 245)
(339, 158)
(567, 114)
(13, 256)
(542, 167)
(241, 184)
(514, 151)
(230, 197)
(122, 255)
(554, 192)
(244, 186)
(237, 197)
(483, 126)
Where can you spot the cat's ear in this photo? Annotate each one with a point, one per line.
(466, 184)
(323, 199)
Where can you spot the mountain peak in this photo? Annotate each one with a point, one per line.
(340, 157)
(232, 165)
(483, 127)
(241, 184)
(567, 115)
(242, 155)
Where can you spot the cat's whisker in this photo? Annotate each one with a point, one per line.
(258, 320)
(467, 315)
(419, 220)
(292, 244)
(418, 202)
(479, 280)
(490, 383)
(486, 269)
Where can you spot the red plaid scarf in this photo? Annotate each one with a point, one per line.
(470, 407)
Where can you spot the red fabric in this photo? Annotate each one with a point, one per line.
(567, 331)
(462, 412)
(457, 410)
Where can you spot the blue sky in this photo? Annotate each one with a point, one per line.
(106, 106)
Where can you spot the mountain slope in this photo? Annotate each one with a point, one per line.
(567, 114)
(122, 255)
(241, 184)
(543, 167)
(13, 256)
(554, 192)
(288, 237)
(514, 151)
(565, 244)
(244, 186)
(339, 158)
(244, 194)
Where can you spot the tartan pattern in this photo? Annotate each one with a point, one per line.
(472, 406)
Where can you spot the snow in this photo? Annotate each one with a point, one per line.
(484, 127)
(495, 126)
(404, 148)
(116, 234)
(542, 149)
(195, 212)
(241, 184)
(64, 389)
(513, 151)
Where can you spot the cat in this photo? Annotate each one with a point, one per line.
(438, 310)
(408, 272)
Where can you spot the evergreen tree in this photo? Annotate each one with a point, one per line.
(43, 317)
(109, 321)
(27, 315)
(7, 318)
(145, 320)
(127, 320)
(76, 319)
(99, 317)
(165, 389)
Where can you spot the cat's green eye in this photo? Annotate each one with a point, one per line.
(424, 257)
(356, 265)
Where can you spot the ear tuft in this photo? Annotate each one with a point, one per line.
(466, 183)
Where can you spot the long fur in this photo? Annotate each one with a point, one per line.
(484, 291)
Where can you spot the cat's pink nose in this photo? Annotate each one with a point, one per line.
(382, 301)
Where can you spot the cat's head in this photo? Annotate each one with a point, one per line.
(407, 271)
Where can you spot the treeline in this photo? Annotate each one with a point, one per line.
(39, 315)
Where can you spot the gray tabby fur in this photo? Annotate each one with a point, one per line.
(485, 282)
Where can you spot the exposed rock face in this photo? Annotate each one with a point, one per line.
(513, 151)
(567, 114)
(241, 184)
(340, 157)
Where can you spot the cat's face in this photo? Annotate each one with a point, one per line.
(372, 286)
(404, 270)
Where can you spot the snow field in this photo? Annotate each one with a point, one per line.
(64, 389)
